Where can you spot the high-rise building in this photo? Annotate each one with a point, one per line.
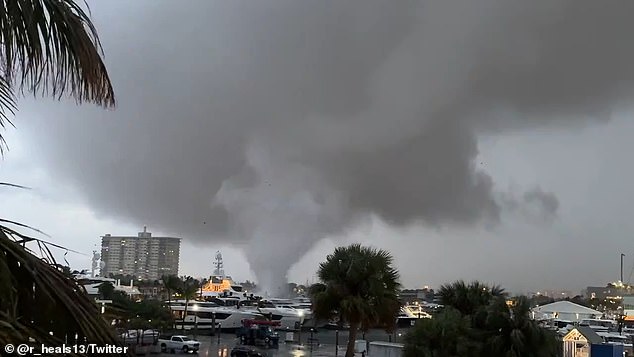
(143, 257)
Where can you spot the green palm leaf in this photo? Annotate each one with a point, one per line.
(49, 47)
(360, 286)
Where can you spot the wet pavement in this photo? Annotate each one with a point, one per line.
(317, 344)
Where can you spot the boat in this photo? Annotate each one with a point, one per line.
(223, 286)
(289, 317)
(203, 315)
(409, 314)
(304, 305)
(92, 283)
(416, 310)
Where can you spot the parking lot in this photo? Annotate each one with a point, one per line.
(322, 344)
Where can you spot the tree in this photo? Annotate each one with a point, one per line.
(468, 298)
(360, 286)
(106, 290)
(512, 332)
(447, 335)
(188, 290)
(172, 284)
(491, 327)
(48, 47)
(138, 314)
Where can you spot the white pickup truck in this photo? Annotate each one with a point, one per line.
(178, 343)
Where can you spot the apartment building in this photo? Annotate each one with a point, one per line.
(143, 256)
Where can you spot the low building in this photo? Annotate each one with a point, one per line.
(155, 292)
(578, 342)
(564, 310)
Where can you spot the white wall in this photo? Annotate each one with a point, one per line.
(385, 349)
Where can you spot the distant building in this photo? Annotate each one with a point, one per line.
(553, 294)
(628, 307)
(564, 310)
(416, 295)
(143, 256)
(156, 292)
(613, 291)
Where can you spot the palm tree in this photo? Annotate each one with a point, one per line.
(513, 333)
(106, 290)
(489, 327)
(447, 335)
(468, 298)
(203, 282)
(48, 47)
(360, 286)
(188, 290)
(172, 284)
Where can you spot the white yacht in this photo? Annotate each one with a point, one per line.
(303, 309)
(410, 314)
(416, 310)
(305, 305)
(288, 316)
(225, 301)
(223, 286)
(91, 284)
(203, 314)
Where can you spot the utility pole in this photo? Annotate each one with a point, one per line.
(622, 256)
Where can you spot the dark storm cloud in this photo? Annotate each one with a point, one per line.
(279, 122)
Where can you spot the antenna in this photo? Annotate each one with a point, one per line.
(219, 265)
(95, 258)
(622, 256)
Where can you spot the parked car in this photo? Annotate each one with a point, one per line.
(178, 343)
(247, 351)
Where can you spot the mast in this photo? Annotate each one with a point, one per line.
(95, 259)
(622, 256)
(219, 271)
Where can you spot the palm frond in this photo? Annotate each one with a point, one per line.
(38, 301)
(7, 108)
(2, 220)
(50, 47)
(14, 185)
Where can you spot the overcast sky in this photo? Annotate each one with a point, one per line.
(474, 140)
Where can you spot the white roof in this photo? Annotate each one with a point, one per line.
(566, 307)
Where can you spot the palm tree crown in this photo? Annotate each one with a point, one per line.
(188, 290)
(360, 286)
(477, 321)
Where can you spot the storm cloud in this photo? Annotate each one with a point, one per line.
(274, 124)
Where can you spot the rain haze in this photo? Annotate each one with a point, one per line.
(472, 139)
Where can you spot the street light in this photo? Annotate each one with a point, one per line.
(195, 307)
